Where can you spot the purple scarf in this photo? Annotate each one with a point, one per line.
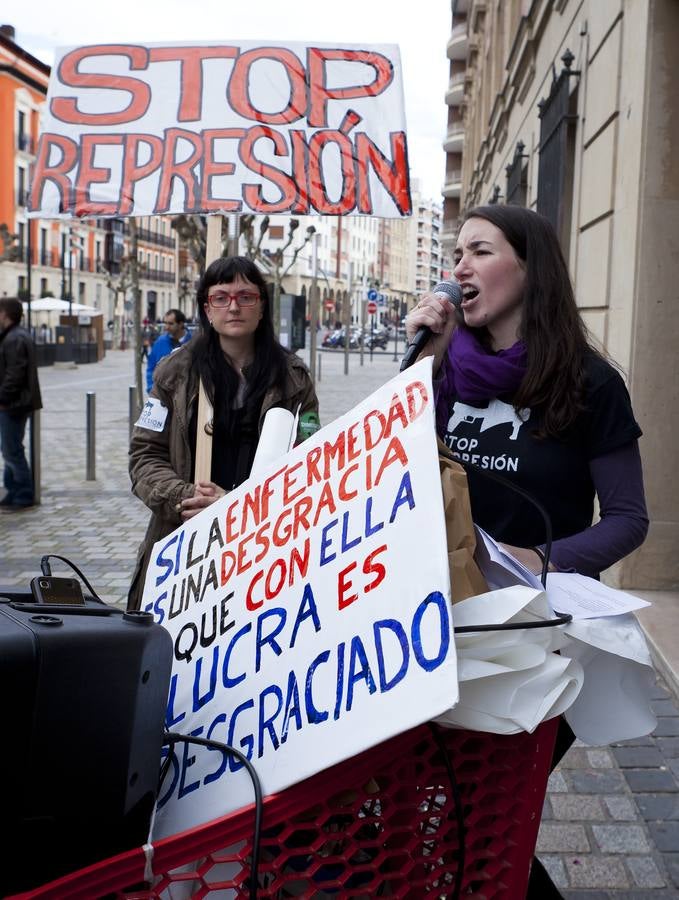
(475, 374)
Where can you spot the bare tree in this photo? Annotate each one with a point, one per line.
(10, 249)
(192, 231)
(273, 262)
(119, 283)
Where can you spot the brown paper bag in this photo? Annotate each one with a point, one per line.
(466, 579)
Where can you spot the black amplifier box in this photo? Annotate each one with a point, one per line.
(84, 692)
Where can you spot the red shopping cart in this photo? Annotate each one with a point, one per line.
(384, 823)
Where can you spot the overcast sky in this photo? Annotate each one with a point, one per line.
(420, 29)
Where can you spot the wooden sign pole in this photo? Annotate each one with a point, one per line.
(203, 466)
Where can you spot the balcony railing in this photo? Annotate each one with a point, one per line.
(454, 137)
(154, 237)
(147, 274)
(458, 42)
(455, 90)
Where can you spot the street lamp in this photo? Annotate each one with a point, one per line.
(184, 291)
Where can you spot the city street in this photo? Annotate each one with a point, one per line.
(611, 819)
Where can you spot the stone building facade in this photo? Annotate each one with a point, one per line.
(571, 107)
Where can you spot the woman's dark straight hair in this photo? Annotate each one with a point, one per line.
(269, 367)
(555, 336)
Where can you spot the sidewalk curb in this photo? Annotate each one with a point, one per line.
(663, 666)
(660, 625)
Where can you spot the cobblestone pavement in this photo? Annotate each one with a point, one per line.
(611, 819)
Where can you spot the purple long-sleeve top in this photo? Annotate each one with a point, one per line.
(623, 524)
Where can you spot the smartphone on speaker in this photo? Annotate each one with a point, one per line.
(57, 591)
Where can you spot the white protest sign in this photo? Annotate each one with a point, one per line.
(310, 608)
(209, 127)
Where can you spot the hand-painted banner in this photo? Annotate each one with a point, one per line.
(134, 130)
(310, 608)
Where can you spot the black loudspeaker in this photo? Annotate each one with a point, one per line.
(84, 692)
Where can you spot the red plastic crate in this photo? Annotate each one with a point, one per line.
(380, 824)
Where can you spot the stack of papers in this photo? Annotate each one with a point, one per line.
(597, 670)
(567, 592)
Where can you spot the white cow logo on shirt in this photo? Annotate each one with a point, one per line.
(496, 413)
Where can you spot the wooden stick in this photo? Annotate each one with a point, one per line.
(203, 466)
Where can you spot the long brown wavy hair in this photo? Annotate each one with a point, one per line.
(551, 327)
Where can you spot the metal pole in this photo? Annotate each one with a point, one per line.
(91, 413)
(363, 321)
(396, 320)
(313, 306)
(63, 266)
(319, 365)
(233, 223)
(346, 316)
(132, 406)
(29, 254)
(372, 335)
(70, 275)
(36, 470)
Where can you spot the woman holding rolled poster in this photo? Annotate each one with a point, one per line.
(521, 391)
(245, 372)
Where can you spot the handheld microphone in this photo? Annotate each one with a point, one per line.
(449, 290)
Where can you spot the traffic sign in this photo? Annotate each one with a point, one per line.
(372, 307)
(329, 305)
(381, 299)
(372, 294)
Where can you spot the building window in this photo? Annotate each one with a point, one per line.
(517, 177)
(496, 195)
(44, 249)
(21, 187)
(558, 121)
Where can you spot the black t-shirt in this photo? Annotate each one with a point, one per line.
(555, 472)
(234, 449)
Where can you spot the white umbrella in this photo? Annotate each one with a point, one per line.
(53, 304)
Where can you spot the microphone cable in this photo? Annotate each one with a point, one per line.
(46, 570)
(559, 618)
(171, 738)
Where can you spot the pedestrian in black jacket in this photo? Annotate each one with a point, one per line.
(19, 397)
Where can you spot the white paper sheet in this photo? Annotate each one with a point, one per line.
(615, 701)
(498, 567)
(587, 598)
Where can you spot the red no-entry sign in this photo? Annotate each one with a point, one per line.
(329, 304)
(372, 307)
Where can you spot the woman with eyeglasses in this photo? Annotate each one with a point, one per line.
(245, 372)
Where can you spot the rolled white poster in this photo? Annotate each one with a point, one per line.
(276, 439)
